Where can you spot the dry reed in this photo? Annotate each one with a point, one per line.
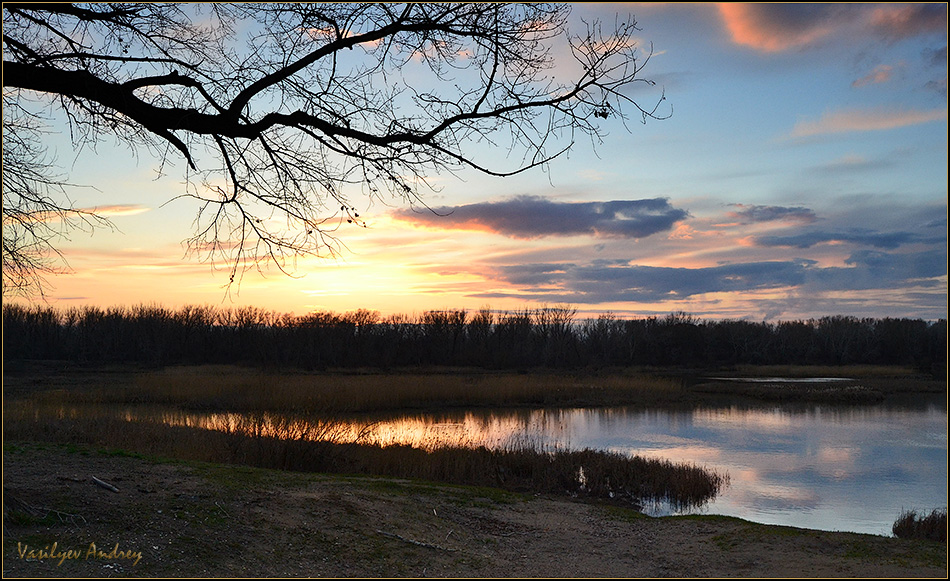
(910, 525)
(322, 447)
(227, 388)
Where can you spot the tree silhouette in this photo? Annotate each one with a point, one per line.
(36, 209)
(282, 113)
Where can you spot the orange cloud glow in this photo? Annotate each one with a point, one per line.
(880, 74)
(776, 27)
(117, 210)
(750, 25)
(865, 120)
(101, 211)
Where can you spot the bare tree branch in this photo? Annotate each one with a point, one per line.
(324, 101)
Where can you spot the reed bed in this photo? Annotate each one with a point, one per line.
(933, 526)
(226, 388)
(523, 468)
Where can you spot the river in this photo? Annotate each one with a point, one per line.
(846, 468)
(827, 467)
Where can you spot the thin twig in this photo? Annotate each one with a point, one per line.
(412, 542)
(41, 511)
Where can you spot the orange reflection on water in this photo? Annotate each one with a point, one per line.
(465, 430)
(265, 425)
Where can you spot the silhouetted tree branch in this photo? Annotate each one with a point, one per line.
(324, 102)
(36, 209)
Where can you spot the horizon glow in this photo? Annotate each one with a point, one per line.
(802, 174)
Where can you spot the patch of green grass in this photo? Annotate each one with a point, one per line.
(929, 554)
(749, 532)
(710, 518)
(473, 495)
(120, 453)
(22, 518)
(76, 449)
(727, 542)
(237, 477)
(912, 553)
(458, 494)
(862, 550)
(623, 513)
(780, 531)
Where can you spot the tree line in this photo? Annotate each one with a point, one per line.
(552, 337)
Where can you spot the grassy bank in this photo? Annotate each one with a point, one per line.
(89, 407)
(196, 519)
(232, 388)
(240, 389)
(295, 447)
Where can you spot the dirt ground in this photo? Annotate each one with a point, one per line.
(181, 519)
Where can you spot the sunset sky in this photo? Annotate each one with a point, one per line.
(803, 173)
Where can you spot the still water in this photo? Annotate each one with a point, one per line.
(822, 467)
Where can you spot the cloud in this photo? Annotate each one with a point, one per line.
(117, 210)
(937, 223)
(852, 163)
(530, 217)
(753, 213)
(616, 280)
(781, 27)
(936, 57)
(865, 120)
(606, 281)
(100, 211)
(938, 86)
(927, 264)
(872, 269)
(856, 236)
(880, 74)
(535, 274)
(899, 21)
(777, 27)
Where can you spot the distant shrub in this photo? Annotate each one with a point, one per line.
(933, 527)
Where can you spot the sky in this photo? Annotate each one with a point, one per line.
(801, 174)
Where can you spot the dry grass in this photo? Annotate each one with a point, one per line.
(933, 527)
(228, 388)
(852, 371)
(328, 446)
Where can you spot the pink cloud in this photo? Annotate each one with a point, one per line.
(773, 28)
(880, 74)
(865, 120)
(898, 21)
(100, 211)
(777, 27)
(117, 210)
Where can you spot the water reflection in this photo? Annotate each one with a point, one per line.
(824, 468)
(821, 467)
